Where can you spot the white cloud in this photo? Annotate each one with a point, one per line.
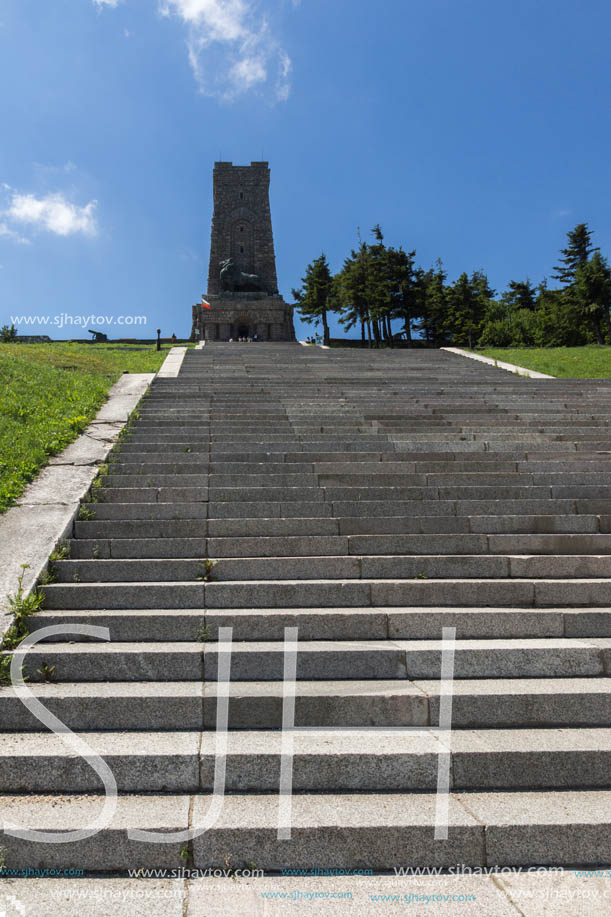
(8, 233)
(224, 20)
(231, 47)
(52, 213)
(247, 72)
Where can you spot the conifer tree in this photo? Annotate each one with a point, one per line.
(434, 303)
(521, 295)
(352, 292)
(593, 294)
(315, 294)
(576, 253)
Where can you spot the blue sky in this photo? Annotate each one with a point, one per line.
(474, 131)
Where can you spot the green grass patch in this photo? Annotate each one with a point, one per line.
(50, 393)
(590, 362)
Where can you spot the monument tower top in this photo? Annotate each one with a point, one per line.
(242, 302)
(242, 229)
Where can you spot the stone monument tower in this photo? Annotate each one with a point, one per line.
(242, 283)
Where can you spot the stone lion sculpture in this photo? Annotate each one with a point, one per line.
(234, 281)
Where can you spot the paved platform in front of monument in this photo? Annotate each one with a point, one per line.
(455, 896)
(369, 499)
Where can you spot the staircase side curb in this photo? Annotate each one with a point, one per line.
(172, 363)
(44, 513)
(498, 364)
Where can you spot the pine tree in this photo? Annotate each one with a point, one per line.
(433, 303)
(593, 294)
(315, 295)
(405, 289)
(352, 293)
(377, 286)
(468, 300)
(577, 252)
(520, 295)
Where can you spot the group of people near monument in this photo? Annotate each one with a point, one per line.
(245, 340)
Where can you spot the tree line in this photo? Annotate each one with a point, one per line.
(379, 284)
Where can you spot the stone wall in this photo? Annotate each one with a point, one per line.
(242, 223)
(242, 230)
(269, 317)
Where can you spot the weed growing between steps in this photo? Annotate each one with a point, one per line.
(207, 568)
(5, 670)
(22, 606)
(204, 634)
(61, 552)
(85, 514)
(97, 484)
(186, 855)
(46, 672)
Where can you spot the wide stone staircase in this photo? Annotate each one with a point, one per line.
(369, 499)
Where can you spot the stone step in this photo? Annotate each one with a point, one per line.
(140, 511)
(291, 509)
(273, 528)
(370, 503)
(477, 703)
(501, 658)
(420, 544)
(142, 449)
(519, 593)
(333, 493)
(124, 595)
(464, 507)
(145, 761)
(180, 462)
(171, 565)
(140, 548)
(89, 532)
(320, 660)
(120, 481)
(323, 762)
(158, 520)
(177, 510)
(192, 463)
(504, 827)
(127, 705)
(450, 524)
(485, 759)
(335, 624)
(152, 494)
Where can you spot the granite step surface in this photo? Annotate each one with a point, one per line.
(369, 501)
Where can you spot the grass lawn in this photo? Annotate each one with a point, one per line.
(50, 393)
(591, 362)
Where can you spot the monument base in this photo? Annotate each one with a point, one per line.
(243, 315)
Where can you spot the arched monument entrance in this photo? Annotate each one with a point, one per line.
(244, 326)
